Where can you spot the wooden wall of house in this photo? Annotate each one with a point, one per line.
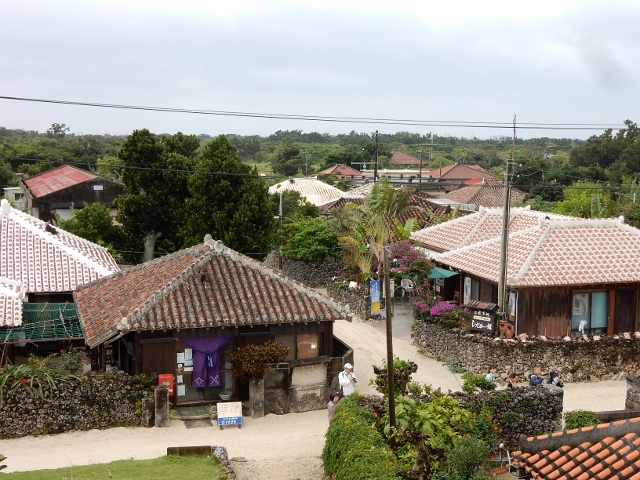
(488, 292)
(148, 351)
(77, 195)
(547, 311)
(544, 311)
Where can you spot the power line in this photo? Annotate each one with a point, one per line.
(130, 167)
(334, 119)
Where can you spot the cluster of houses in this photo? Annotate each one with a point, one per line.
(181, 314)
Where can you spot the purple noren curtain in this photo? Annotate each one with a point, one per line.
(206, 360)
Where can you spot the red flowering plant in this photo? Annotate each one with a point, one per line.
(250, 362)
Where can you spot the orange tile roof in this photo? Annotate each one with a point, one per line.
(43, 259)
(316, 192)
(398, 157)
(605, 451)
(341, 170)
(56, 179)
(485, 194)
(197, 288)
(460, 172)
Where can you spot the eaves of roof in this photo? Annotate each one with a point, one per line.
(602, 452)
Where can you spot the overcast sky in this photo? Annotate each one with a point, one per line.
(547, 62)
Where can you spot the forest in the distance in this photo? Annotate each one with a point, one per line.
(595, 178)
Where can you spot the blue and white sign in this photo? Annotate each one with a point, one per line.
(374, 293)
(229, 413)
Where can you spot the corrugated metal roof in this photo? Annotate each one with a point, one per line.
(56, 179)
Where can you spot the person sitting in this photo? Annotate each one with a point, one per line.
(555, 380)
(512, 380)
(536, 377)
(491, 374)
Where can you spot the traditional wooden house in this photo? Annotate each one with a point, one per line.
(58, 191)
(40, 267)
(181, 314)
(565, 275)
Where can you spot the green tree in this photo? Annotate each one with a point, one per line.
(309, 239)
(94, 222)
(229, 201)
(32, 169)
(58, 131)
(6, 173)
(579, 199)
(110, 166)
(156, 180)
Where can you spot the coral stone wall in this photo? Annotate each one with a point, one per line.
(83, 403)
(610, 358)
(528, 411)
(312, 273)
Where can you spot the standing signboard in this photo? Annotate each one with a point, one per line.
(229, 413)
(483, 316)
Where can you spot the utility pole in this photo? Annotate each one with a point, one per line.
(390, 372)
(375, 167)
(430, 145)
(306, 163)
(280, 246)
(502, 281)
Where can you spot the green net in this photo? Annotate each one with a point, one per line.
(44, 321)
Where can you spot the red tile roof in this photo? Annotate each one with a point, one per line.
(485, 194)
(605, 451)
(341, 170)
(316, 192)
(566, 251)
(43, 259)
(460, 172)
(196, 288)
(56, 179)
(400, 158)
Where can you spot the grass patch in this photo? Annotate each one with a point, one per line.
(163, 468)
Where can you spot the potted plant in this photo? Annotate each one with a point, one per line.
(250, 363)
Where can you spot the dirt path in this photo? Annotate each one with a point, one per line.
(276, 447)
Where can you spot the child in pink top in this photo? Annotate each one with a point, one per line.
(333, 399)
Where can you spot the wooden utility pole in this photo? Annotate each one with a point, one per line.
(375, 166)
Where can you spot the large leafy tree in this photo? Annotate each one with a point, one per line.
(94, 223)
(155, 173)
(229, 201)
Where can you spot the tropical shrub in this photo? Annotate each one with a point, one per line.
(354, 448)
(472, 382)
(250, 362)
(402, 370)
(580, 418)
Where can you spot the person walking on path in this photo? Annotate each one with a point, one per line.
(333, 399)
(347, 380)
